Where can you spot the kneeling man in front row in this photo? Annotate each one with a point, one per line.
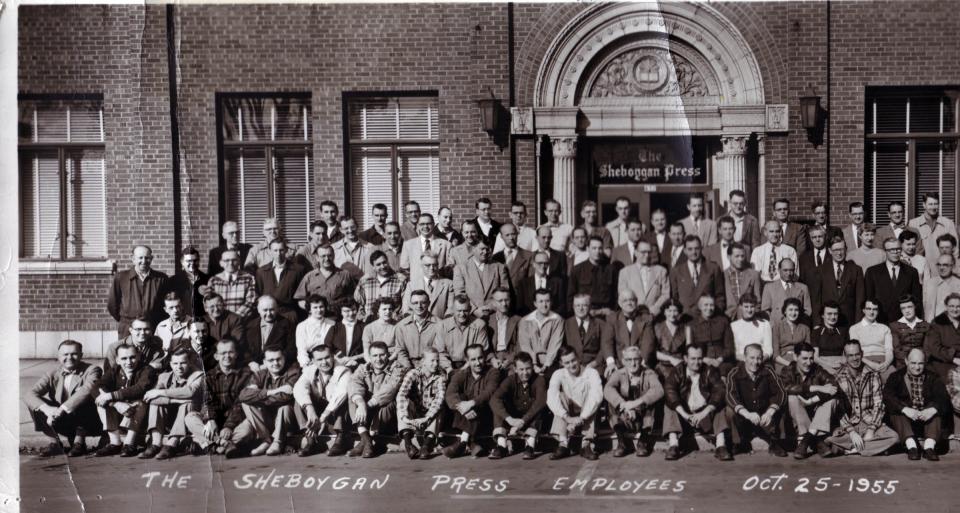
(419, 403)
(574, 396)
(321, 397)
(695, 403)
(755, 398)
(61, 402)
(468, 395)
(518, 406)
(178, 392)
(812, 400)
(631, 393)
(916, 398)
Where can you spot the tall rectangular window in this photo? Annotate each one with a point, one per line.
(267, 162)
(394, 154)
(62, 183)
(911, 148)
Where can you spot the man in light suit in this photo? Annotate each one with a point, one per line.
(409, 227)
(649, 283)
(697, 223)
(618, 227)
(61, 403)
(898, 222)
(888, 282)
(502, 331)
(746, 226)
(416, 332)
(851, 232)
(717, 253)
(739, 279)
(794, 234)
(631, 326)
(777, 292)
(588, 212)
(695, 277)
(931, 225)
(840, 280)
(350, 253)
(478, 278)
(424, 243)
(626, 253)
(516, 259)
(439, 290)
(462, 252)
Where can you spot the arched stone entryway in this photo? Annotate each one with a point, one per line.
(636, 70)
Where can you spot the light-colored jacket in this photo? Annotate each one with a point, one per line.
(542, 341)
(47, 389)
(651, 284)
(310, 387)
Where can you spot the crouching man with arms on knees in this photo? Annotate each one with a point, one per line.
(178, 392)
(120, 401)
(321, 397)
(214, 426)
(419, 403)
(518, 406)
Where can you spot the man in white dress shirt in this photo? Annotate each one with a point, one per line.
(561, 231)
(618, 227)
(697, 223)
(767, 257)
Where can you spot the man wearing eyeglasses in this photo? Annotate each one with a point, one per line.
(888, 281)
(937, 288)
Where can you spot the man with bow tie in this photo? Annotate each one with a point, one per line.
(61, 401)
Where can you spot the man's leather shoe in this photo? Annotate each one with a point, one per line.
(231, 451)
(78, 449)
(129, 451)
(803, 448)
(529, 453)
(930, 455)
(723, 454)
(673, 453)
(338, 447)
(149, 452)
(497, 453)
(260, 450)
(588, 453)
(456, 450)
(562, 451)
(108, 450)
(412, 451)
(166, 452)
(54, 449)
(777, 450)
(643, 449)
(913, 454)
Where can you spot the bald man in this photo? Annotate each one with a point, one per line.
(268, 328)
(137, 292)
(766, 258)
(916, 398)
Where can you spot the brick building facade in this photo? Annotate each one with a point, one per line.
(730, 72)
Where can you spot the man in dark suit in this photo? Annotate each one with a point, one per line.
(675, 253)
(541, 278)
(374, 234)
(695, 277)
(794, 234)
(809, 262)
(590, 336)
(190, 282)
(597, 277)
(558, 261)
(222, 322)
(659, 237)
(489, 228)
(631, 326)
(746, 226)
(891, 280)
(280, 279)
(231, 241)
(268, 329)
(839, 280)
(516, 259)
(718, 253)
(626, 253)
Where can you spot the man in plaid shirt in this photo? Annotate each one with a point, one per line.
(861, 429)
(237, 288)
(212, 427)
(419, 401)
(385, 282)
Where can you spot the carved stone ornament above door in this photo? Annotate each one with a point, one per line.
(648, 72)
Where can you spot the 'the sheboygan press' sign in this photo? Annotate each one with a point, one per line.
(667, 163)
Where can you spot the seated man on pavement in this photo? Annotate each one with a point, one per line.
(861, 430)
(120, 401)
(372, 396)
(178, 392)
(755, 400)
(419, 404)
(574, 397)
(916, 399)
(812, 400)
(61, 401)
(267, 404)
(631, 393)
(695, 401)
(518, 406)
(468, 396)
(321, 397)
(212, 428)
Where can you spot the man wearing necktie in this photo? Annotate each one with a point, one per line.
(766, 257)
(697, 223)
(887, 282)
(650, 283)
(718, 253)
(786, 287)
(851, 232)
(60, 402)
(424, 244)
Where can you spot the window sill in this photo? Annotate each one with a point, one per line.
(32, 267)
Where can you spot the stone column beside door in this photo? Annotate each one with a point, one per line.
(564, 178)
